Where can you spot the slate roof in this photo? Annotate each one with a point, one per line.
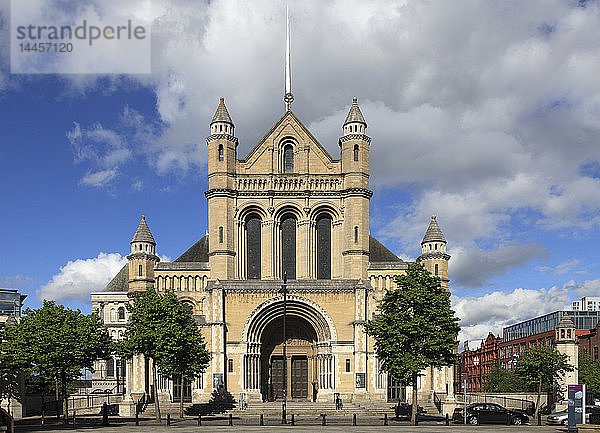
(355, 115)
(142, 234)
(222, 115)
(433, 233)
(379, 253)
(196, 253)
(120, 282)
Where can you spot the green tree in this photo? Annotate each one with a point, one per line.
(415, 328)
(55, 342)
(10, 369)
(500, 379)
(162, 330)
(589, 373)
(540, 367)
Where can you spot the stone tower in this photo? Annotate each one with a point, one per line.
(354, 149)
(222, 151)
(142, 259)
(566, 343)
(433, 252)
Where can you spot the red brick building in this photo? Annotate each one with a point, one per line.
(476, 364)
(590, 343)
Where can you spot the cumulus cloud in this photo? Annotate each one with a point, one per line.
(78, 278)
(486, 122)
(493, 311)
(587, 288)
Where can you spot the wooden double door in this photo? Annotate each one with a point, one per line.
(298, 378)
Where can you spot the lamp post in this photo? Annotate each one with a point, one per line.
(284, 403)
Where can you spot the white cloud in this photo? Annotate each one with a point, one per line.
(101, 148)
(78, 278)
(561, 268)
(99, 178)
(16, 281)
(485, 121)
(493, 311)
(587, 288)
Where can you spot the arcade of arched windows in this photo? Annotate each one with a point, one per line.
(299, 246)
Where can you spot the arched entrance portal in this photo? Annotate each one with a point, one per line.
(309, 362)
(300, 363)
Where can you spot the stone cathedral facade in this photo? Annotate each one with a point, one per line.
(287, 208)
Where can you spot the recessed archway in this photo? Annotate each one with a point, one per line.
(308, 364)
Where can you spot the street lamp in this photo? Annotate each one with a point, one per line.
(284, 403)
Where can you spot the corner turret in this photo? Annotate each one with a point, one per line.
(222, 159)
(354, 150)
(142, 259)
(433, 252)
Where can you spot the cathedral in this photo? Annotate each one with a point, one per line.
(287, 208)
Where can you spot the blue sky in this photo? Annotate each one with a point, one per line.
(486, 114)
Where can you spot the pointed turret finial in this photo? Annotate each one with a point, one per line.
(355, 115)
(143, 234)
(288, 97)
(222, 115)
(433, 233)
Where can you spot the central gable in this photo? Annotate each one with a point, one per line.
(309, 155)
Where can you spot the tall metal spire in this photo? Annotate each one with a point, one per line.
(288, 97)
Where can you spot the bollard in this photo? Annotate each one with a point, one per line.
(353, 419)
(43, 413)
(230, 419)
(447, 420)
(385, 420)
(74, 417)
(261, 421)
(417, 419)
(169, 419)
(104, 415)
(199, 419)
(137, 416)
(540, 418)
(507, 418)
(323, 421)
(293, 420)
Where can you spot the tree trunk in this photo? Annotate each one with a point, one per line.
(57, 398)
(65, 397)
(537, 402)
(415, 406)
(155, 392)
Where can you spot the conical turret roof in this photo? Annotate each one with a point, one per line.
(222, 115)
(142, 234)
(434, 233)
(565, 322)
(355, 115)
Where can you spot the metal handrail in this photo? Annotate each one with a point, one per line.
(437, 402)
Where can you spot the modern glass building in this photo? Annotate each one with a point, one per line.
(11, 303)
(583, 320)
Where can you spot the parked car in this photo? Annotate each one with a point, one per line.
(561, 418)
(489, 413)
